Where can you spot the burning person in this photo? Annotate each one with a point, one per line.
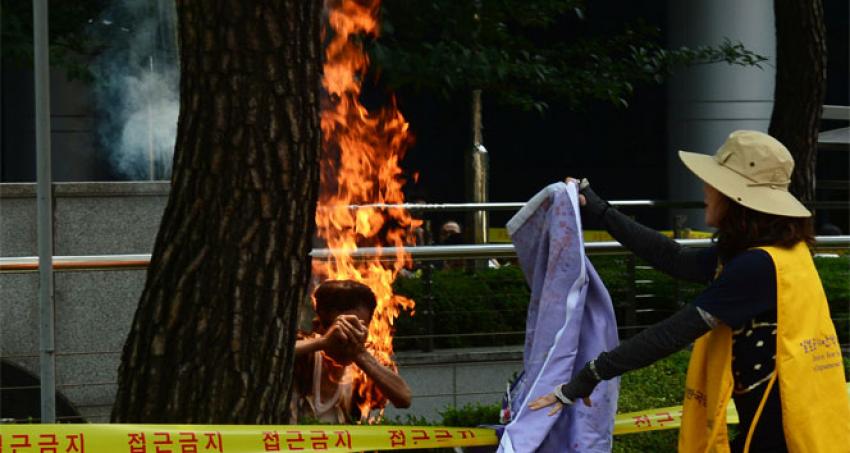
(326, 358)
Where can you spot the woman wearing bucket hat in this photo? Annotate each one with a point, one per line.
(763, 333)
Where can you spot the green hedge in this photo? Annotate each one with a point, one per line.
(494, 301)
(658, 385)
(488, 301)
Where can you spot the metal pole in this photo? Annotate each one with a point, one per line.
(434, 252)
(479, 157)
(151, 149)
(480, 170)
(428, 275)
(630, 305)
(679, 232)
(45, 211)
(516, 206)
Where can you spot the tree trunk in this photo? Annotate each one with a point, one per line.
(800, 86)
(212, 338)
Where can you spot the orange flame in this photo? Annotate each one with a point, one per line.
(362, 151)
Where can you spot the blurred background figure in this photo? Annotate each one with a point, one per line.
(451, 233)
(450, 228)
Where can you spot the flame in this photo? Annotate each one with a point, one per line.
(362, 151)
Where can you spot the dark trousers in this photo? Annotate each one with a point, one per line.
(768, 436)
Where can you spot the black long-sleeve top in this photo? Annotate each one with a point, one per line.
(742, 296)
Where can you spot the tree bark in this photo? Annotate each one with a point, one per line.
(800, 86)
(212, 339)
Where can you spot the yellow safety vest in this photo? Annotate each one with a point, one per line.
(815, 405)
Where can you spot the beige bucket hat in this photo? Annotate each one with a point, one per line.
(753, 169)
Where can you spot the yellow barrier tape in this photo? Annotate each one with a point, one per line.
(120, 438)
(664, 418)
(658, 419)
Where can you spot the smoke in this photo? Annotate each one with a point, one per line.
(136, 87)
(149, 117)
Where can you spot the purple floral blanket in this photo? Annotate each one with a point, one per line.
(570, 321)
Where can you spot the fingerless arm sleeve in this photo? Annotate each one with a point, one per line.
(655, 343)
(663, 253)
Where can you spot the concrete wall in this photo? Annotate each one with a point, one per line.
(94, 309)
(456, 378)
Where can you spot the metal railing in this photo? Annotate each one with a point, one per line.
(425, 335)
(418, 253)
(836, 112)
(515, 206)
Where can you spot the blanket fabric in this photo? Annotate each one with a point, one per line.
(570, 321)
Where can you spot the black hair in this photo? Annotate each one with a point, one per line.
(742, 228)
(337, 296)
